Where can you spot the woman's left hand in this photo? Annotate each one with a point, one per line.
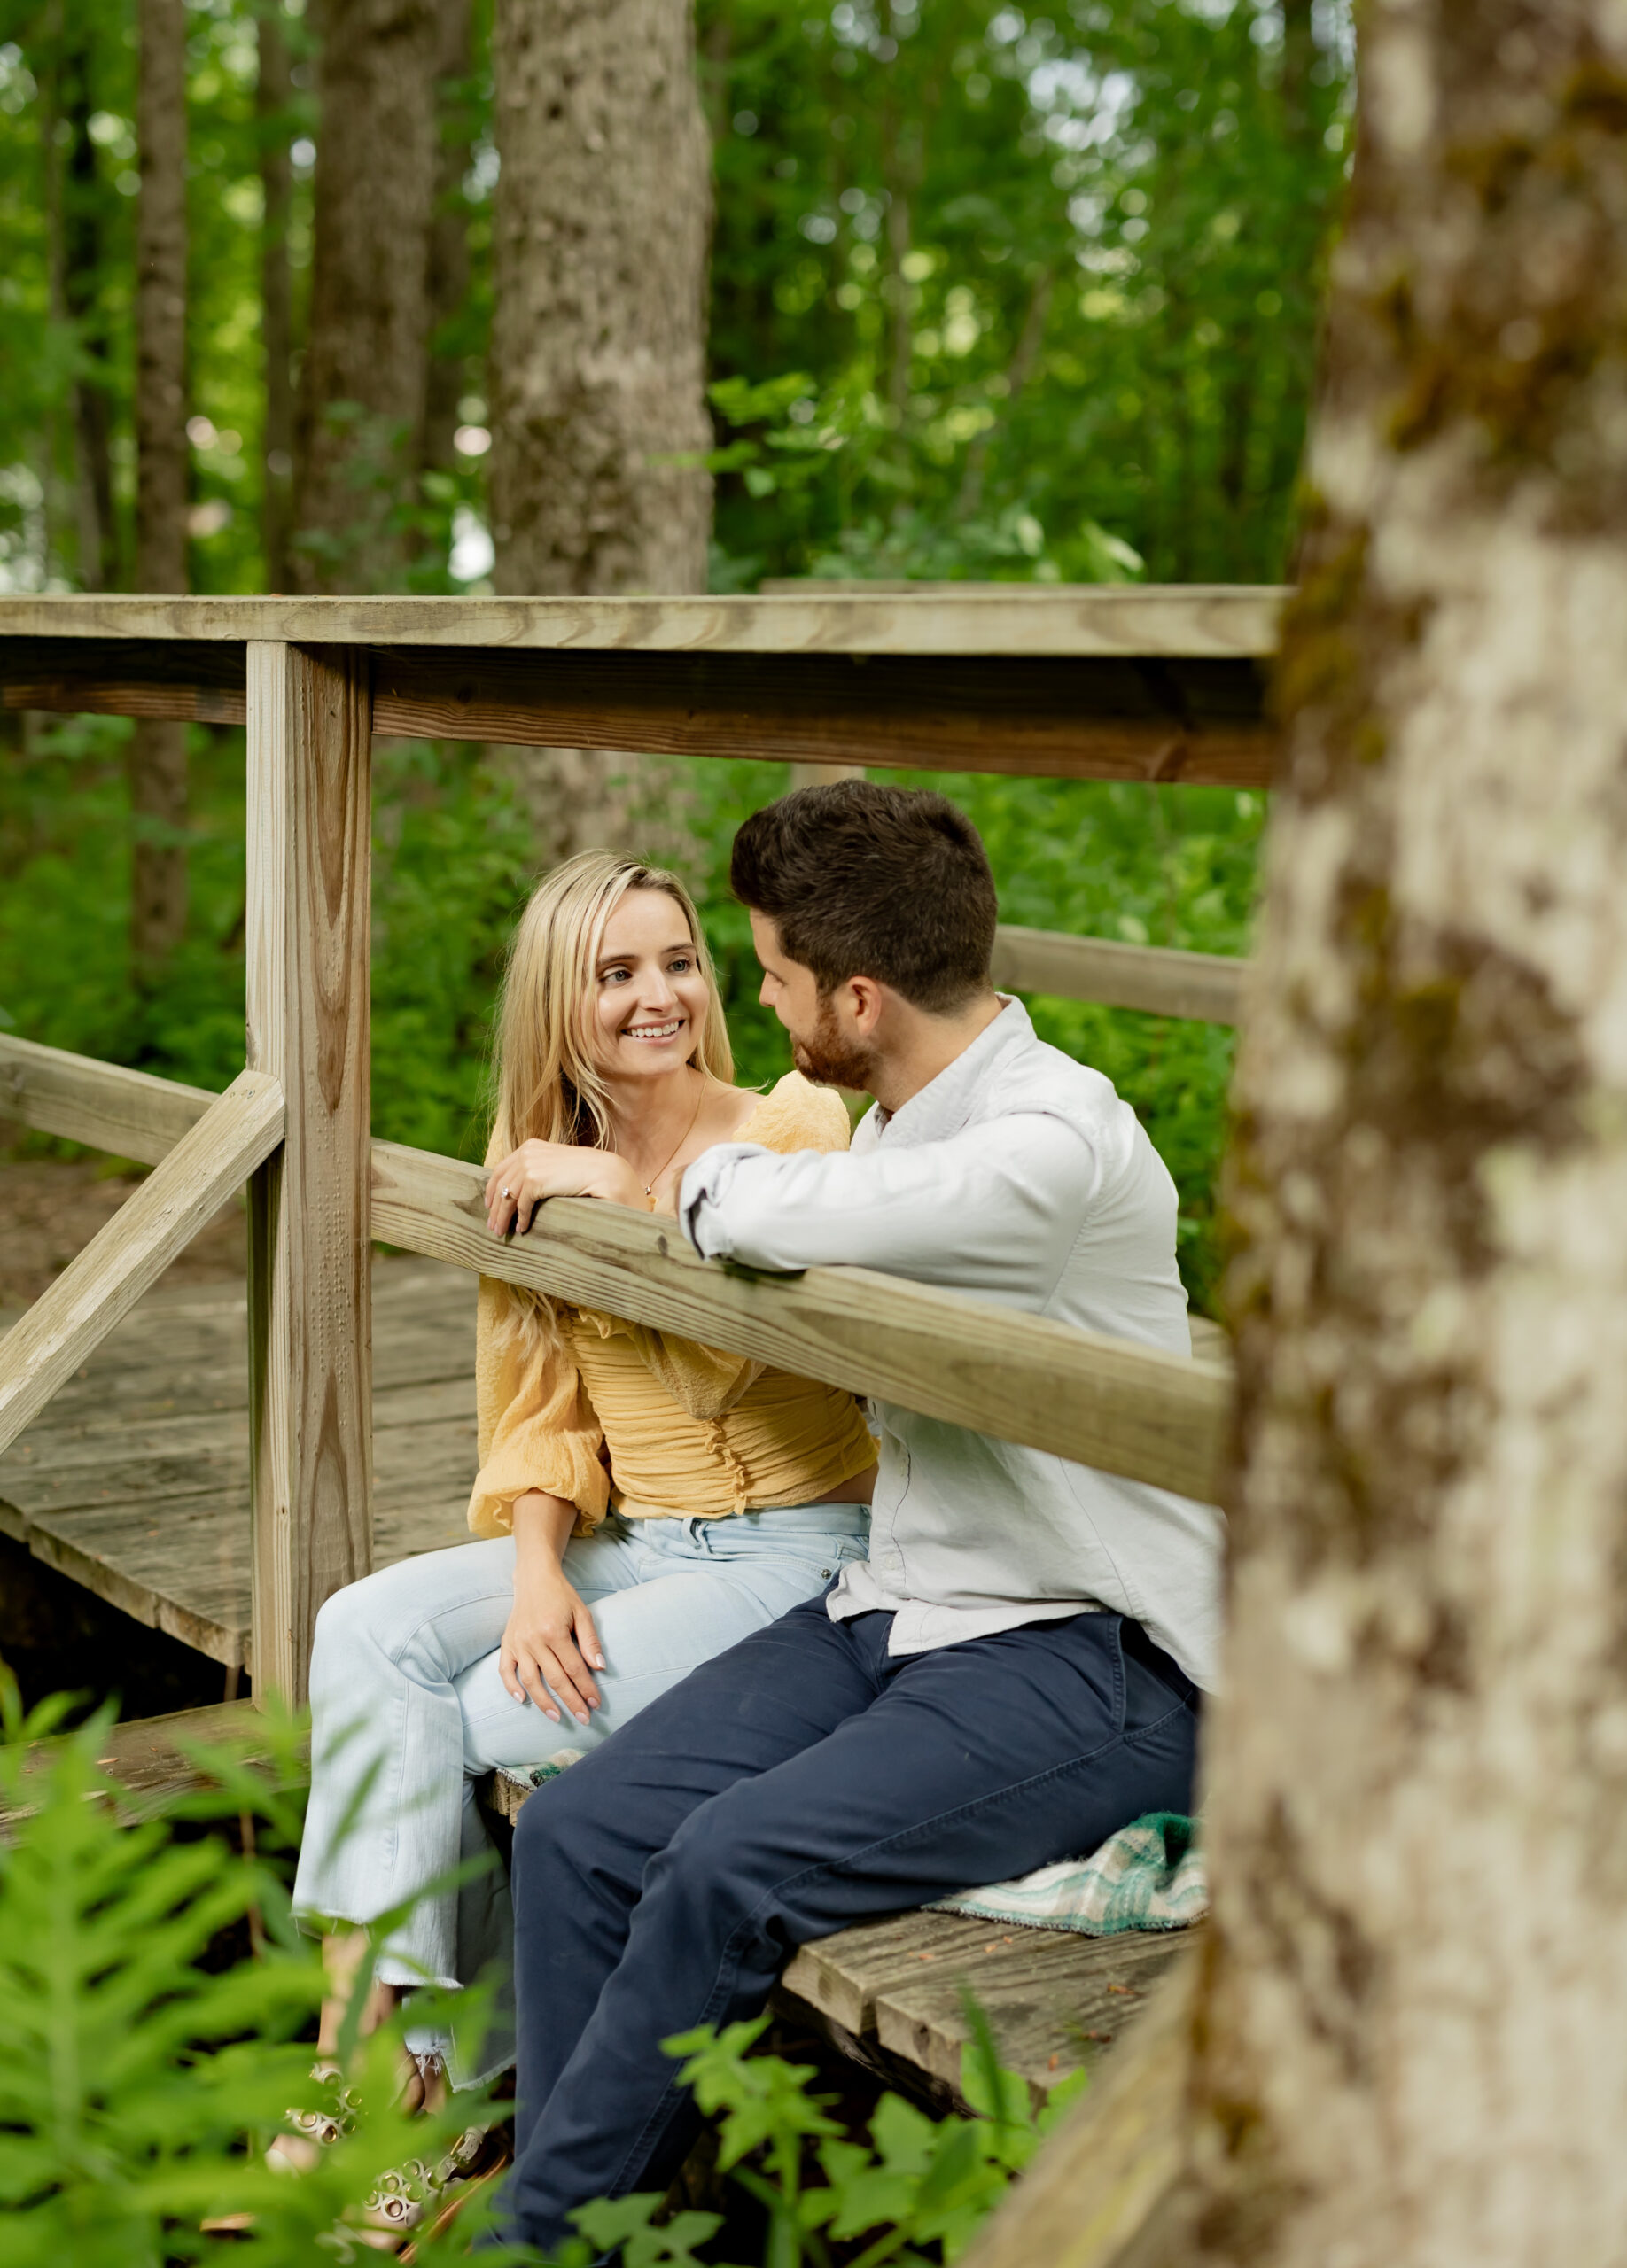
(537, 1170)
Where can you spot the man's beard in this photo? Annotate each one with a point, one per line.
(830, 1060)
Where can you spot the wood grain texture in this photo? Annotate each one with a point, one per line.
(1163, 982)
(198, 680)
(101, 1283)
(135, 1481)
(1107, 2174)
(1084, 716)
(104, 1105)
(1055, 2000)
(1222, 621)
(310, 748)
(1102, 1402)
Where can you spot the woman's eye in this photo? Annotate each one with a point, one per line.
(615, 975)
(679, 967)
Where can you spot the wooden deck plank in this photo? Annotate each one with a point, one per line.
(1053, 2000)
(135, 1480)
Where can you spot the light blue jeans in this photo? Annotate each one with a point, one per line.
(407, 1707)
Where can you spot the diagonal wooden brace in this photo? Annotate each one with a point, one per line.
(97, 1289)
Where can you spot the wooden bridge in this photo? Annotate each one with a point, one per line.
(231, 1525)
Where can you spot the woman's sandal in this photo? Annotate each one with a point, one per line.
(398, 2205)
(309, 2132)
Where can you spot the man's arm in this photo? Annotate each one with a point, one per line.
(994, 1209)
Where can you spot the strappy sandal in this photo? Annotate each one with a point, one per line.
(309, 2132)
(397, 2206)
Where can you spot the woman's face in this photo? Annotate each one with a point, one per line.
(648, 1004)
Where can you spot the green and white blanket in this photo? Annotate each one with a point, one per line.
(1149, 1876)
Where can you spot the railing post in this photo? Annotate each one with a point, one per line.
(310, 1309)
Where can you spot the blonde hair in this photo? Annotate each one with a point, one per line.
(544, 1085)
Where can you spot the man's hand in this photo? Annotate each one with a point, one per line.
(549, 1641)
(537, 1170)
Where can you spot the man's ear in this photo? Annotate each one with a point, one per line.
(865, 1001)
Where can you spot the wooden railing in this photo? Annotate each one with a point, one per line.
(1119, 683)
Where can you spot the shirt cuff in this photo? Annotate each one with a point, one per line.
(703, 1192)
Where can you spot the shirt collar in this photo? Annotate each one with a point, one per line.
(942, 1106)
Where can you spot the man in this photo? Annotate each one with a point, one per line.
(1014, 1673)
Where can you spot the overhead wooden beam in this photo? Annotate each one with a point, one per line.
(1098, 1401)
(104, 1105)
(197, 680)
(1163, 982)
(1173, 620)
(1081, 716)
(310, 1336)
(102, 1283)
(1078, 717)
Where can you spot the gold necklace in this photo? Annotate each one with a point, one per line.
(649, 1187)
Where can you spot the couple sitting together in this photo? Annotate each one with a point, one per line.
(804, 1674)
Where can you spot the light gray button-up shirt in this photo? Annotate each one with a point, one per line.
(1019, 1175)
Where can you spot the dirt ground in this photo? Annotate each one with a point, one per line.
(50, 1209)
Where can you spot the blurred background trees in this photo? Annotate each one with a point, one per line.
(986, 295)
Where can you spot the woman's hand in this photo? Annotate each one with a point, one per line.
(549, 1641)
(537, 1170)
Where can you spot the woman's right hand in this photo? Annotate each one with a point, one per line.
(550, 1640)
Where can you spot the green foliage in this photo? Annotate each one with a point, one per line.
(1007, 294)
(155, 1994)
(140, 2079)
(915, 2190)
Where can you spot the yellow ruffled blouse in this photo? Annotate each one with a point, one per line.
(684, 1431)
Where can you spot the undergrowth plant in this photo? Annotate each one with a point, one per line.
(156, 2006)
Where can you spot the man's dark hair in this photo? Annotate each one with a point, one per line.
(865, 881)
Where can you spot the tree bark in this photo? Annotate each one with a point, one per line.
(601, 227)
(448, 283)
(273, 91)
(1414, 2034)
(157, 748)
(360, 422)
(1409, 2048)
(598, 347)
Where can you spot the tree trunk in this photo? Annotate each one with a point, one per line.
(1410, 2044)
(1416, 2014)
(273, 91)
(157, 748)
(360, 422)
(447, 378)
(598, 344)
(83, 279)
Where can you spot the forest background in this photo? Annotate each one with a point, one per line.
(992, 297)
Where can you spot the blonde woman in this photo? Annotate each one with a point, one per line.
(643, 1502)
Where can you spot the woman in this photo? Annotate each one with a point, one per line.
(644, 1501)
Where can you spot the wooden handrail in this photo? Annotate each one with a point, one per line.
(100, 1285)
(1154, 978)
(105, 1106)
(1098, 1401)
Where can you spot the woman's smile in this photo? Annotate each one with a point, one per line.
(647, 1032)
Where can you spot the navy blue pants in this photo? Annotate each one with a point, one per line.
(800, 1782)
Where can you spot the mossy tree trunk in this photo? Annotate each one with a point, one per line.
(157, 748)
(1407, 2047)
(601, 228)
(360, 418)
(1414, 2033)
